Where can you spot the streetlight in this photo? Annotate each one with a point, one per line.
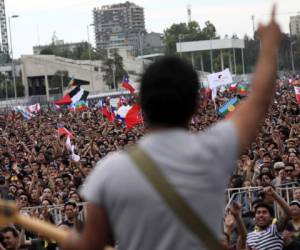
(90, 55)
(292, 57)
(114, 75)
(180, 39)
(141, 41)
(88, 36)
(12, 55)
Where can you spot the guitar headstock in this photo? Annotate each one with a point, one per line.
(8, 212)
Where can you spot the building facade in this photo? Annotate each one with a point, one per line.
(3, 25)
(45, 75)
(60, 45)
(295, 25)
(119, 26)
(152, 43)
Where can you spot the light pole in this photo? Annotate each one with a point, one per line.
(12, 55)
(180, 38)
(141, 42)
(292, 57)
(90, 54)
(114, 75)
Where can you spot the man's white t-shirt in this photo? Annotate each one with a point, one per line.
(198, 166)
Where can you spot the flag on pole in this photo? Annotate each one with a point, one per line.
(63, 131)
(79, 106)
(122, 112)
(71, 149)
(229, 107)
(73, 96)
(126, 84)
(71, 83)
(133, 116)
(232, 87)
(121, 101)
(107, 112)
(219, 79)
(24, 111)
(243, 89)
(297, 93)
(34, 108)
(130, 115)
(68, 144)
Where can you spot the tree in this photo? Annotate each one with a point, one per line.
(113, 65)
(187, 32)
(20, 87)
(47, 51)
(57, 81)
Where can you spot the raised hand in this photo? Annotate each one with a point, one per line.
(270, 34)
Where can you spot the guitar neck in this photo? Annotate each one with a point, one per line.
(45, 229)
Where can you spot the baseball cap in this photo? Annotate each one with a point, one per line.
(295, 202)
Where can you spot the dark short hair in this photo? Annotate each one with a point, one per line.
(169, 92)
(70, 203)
(11, 229)
(265, 205)
(267, 155)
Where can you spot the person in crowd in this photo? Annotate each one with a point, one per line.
(266, 235)
(121, 202)
(290, 243)
(11, 239)
(71, 220)
(294, 223)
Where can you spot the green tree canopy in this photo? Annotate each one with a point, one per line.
(113, 63)
(187, 32)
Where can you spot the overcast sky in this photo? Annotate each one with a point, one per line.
(39, 19)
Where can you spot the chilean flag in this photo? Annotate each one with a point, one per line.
(134, 116)
(63, 131)
(131, 115)
(106, 111)
(127, 85)
(297, 93)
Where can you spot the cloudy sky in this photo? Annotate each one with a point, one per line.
(39, 19)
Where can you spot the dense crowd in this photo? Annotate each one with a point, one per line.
(37, 169)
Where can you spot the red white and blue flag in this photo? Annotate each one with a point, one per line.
(130, 115)
(127, 85)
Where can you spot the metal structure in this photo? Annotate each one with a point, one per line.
(189, 13)
(3, 25)
(210, 45)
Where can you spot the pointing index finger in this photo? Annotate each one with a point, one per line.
(273, 12)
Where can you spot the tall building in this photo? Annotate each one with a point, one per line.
(5, 48)
(295, 25)
(119, 26)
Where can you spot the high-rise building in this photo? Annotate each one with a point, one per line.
(119, 26)
(5, 48)
(295, 25)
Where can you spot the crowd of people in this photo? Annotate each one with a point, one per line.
(38, 172)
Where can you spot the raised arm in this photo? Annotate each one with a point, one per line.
(251, 112)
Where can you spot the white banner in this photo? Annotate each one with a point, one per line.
(219, 79)
(114, 102)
